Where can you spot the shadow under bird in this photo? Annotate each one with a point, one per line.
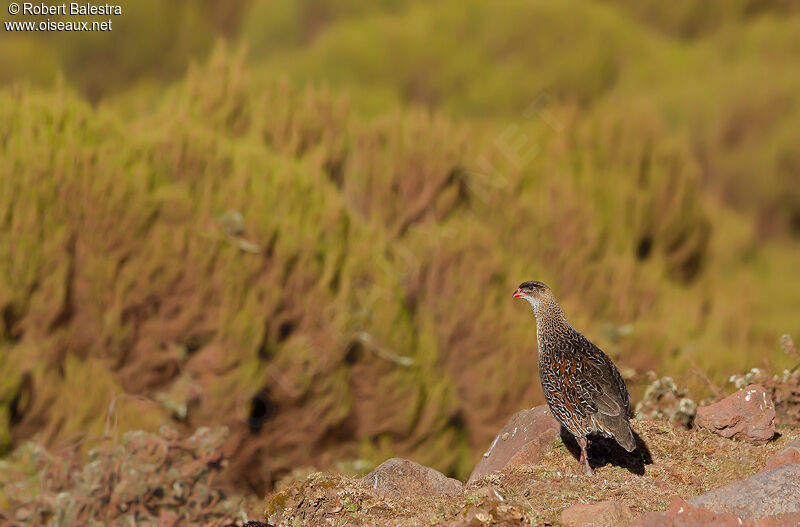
(583, 388)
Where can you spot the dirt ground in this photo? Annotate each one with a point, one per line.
(672, 462)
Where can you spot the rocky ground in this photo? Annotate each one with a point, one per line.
(733, 468)
(732, 462)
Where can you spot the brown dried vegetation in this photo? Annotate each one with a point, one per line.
(144, 479)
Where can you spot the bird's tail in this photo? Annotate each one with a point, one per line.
(620, 428)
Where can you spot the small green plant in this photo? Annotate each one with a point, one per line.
(472, 499)
(558, 446)
(349, 506)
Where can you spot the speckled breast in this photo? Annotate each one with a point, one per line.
(561, 393)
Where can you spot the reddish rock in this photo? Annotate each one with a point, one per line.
(788, 454)
(791, 519)
(682, 514)
(523, 440)
(747, 414)
(769, 499)
(399, 477)
(603, 514)
(776, 491)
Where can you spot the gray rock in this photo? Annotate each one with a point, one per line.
(524, 439)
(769, 493)
(399, 477)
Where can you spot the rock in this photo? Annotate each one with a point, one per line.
(603, 514)
(776, 491)
(788, 454)
(791, 519)
(682, 514)
(523, 440)
(399, 477)
(768, 499)
(747, 414)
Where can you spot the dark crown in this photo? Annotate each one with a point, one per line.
(533, 285)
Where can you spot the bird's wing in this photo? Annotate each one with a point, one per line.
(602, 383)
(603, 386)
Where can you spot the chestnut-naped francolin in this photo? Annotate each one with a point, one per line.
(583, 388)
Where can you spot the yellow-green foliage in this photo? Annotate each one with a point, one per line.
(722, 73)
(150, 41)
(350, 259)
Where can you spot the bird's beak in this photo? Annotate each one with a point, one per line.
(518, 293)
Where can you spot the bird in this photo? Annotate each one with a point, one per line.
(583, 388)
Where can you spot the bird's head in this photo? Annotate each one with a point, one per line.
(534, 292)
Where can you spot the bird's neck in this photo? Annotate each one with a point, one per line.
(550, 321)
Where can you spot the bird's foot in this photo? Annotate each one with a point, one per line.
(584, 460)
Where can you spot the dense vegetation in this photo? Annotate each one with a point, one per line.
(315, 242)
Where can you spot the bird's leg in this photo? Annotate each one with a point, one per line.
(584, 461)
